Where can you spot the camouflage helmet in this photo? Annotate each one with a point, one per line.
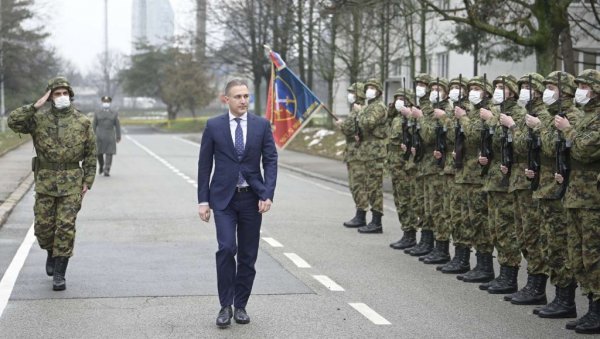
(440, 82)
(536, 79)
(479, 81)
(457, 81)
(60, 82)
(424, 78)
(375, 83)
(509, 80)
(589, 77)
(567, 82)
(407, 93)
(357, 88)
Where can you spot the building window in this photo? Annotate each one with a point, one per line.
(444, 4)
(428, 63)
(442, 64)
(397, 67)
(589, 60)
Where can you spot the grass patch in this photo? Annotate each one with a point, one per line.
(9, 140)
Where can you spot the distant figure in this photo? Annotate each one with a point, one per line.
(235, 144)
(62, 138)
(108, 134)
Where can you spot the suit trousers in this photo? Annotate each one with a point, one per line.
(238, 232)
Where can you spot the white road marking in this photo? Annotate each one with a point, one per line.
(370, 314)
(297, 260)
(10, 276)
(327, 282)
(272, 242)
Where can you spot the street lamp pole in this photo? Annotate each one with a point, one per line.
(106, 75)
(2, 107)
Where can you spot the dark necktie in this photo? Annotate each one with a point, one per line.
(239, 146)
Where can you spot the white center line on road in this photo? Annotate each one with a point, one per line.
(370, 314)
(297, 260)
(327, 282)
(10, 276)
(272, 242)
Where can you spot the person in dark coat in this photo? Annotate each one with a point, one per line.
(108, 133)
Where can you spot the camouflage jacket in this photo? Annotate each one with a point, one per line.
(372, 123)
(60, 137)
(428, 165)
(472, 127)
(348, 127)
(582, 191)
(494, 178)
(450, 123)
(548, 134)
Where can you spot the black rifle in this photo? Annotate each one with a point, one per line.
(459, 135)
(358, 132)
(406, 125)
(487, 135)
(506, 146)
(534, 146)
(417, 140)
(440, 133)
(563, 151)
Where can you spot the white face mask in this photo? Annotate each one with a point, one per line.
(105, 105)
(433, 96)
(399, 104)
(475, 97)
(62, 101)
(549, 97)
(581, 96)
(351, 98)
(454, 94)
(498, 96)
(420, 91)
(523, 97)
(371, 93)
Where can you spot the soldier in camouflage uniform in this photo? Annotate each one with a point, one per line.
(397, 161)
(372, 151)
(582, 198)
(501, 207)
(62, 137)
(435, 140)
(474, 210)
(356, 170)
(527, 216)
(554, 221)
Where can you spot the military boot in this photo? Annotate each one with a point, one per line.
(573, 323)
(60, 269)
(591, 323)
(498, 280)
(442, 254)
(409, 239)
(486, 271)
(563, 305)
(427, 244)
(359, 220)
(374, 226)
(49, 264)
(474, 269)
(506, 282)
(460, 263)
(534, 292)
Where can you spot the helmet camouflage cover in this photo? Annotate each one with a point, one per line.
(60, 82)
(590, 77)
(375, 83)
(536, 79)
(510, 81)
(479, 81)
(567, 82)
(407, 93)
(357, 88)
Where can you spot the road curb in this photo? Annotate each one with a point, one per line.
(9, 204)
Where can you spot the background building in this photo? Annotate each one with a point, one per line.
(153, 22)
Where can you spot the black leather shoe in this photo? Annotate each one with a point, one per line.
(240, 316)
(224, 317)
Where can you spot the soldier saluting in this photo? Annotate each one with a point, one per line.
(62, 137)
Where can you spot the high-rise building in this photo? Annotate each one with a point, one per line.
(153, 22)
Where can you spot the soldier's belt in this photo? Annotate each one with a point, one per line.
(58, 166)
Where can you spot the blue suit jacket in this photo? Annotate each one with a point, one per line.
(217, 145)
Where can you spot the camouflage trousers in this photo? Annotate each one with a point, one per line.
(475, 218)
(584, 249)
(501, 221)
(357, 178)
(527, 222)
(450, 218)
(433, 186)
(55, 222)
(416, 198)
(401, 185)
(555, 250)
(369, 174)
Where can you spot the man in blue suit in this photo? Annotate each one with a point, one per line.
(238, 194)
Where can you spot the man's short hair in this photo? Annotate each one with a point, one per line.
(233, 83)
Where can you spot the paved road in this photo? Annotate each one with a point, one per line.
(144, 267)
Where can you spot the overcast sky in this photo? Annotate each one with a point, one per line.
(77, 26)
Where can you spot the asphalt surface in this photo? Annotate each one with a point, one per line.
(144, 265)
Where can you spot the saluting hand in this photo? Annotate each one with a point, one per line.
(41, 101)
